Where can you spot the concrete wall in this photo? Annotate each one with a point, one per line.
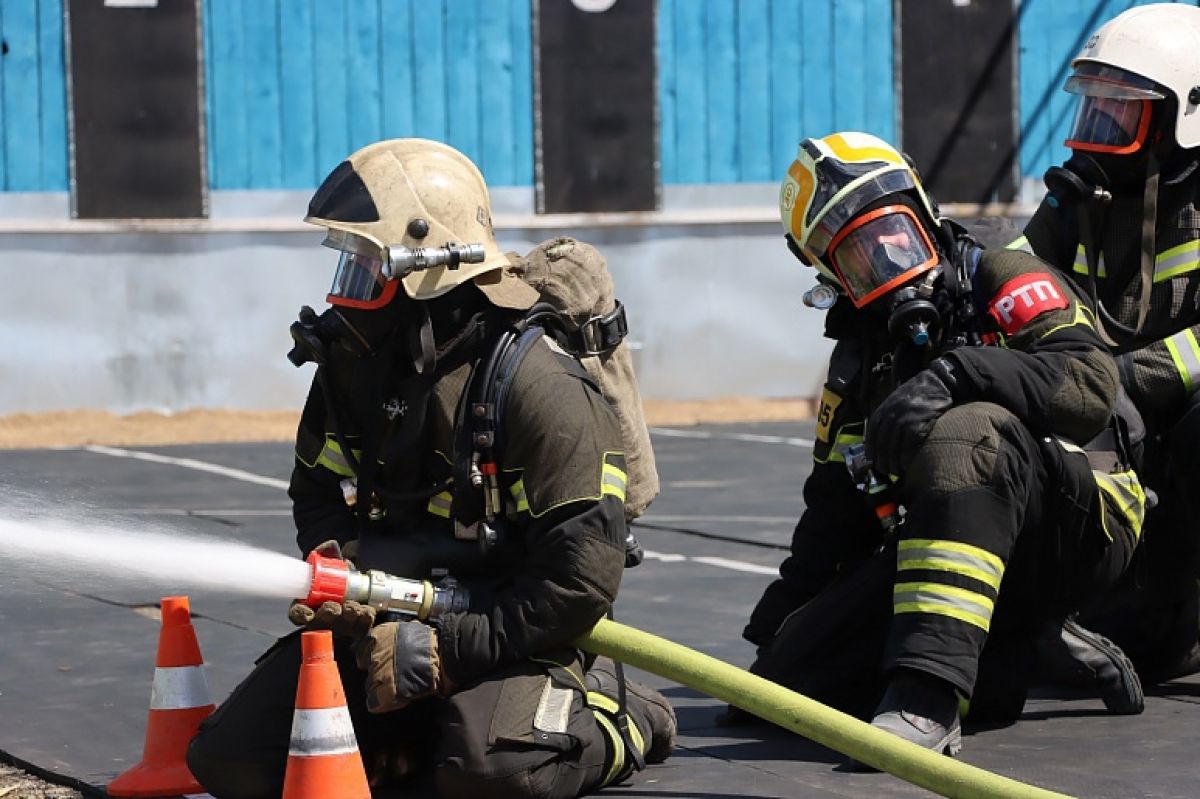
(127, 316)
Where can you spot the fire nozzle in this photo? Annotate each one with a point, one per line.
(337, 580)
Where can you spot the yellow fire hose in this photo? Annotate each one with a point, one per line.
(807, 717)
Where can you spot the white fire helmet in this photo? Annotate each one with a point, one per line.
(1142, 54)
(401, 196)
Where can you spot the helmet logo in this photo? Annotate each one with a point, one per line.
(1092, 41)
(789, 195)
(481, 216)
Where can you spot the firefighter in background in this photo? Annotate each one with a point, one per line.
(1121, 220)
(970, 379)
(489, 698)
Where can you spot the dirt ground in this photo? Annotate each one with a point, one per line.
(147, 429)
(16, 784)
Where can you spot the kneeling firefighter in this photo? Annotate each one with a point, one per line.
(952, 509)
(448, 437)
(1121, 220)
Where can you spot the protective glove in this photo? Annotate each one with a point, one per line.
(903, 420)
(402, 665)
(348, 620)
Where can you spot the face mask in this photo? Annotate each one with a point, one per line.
(318, 337)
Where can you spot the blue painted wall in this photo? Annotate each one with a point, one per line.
(295, 85)
(33, 96)
(1051, 33)
(742, 81)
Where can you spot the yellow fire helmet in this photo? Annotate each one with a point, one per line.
(415, 213)
(831, 180)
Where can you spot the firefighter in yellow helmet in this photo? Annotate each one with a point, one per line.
(1122, 221)
(411, 460)
(951, 503)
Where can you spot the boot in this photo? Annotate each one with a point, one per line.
(1077, 657)
(647, 708)
(922, 709)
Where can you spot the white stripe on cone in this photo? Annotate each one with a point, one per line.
(324, 731)
(179, 688)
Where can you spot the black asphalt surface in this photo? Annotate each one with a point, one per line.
(76, 663)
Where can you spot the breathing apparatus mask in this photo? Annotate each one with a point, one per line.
(366, 308)
(886, 260)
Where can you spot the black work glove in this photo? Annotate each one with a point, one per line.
(402, 663)
(903, 420)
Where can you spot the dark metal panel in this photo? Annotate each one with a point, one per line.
(958, 112)
(596, 106)
(137, 134)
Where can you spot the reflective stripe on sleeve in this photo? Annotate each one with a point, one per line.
(322, 731)
(179, 688)
(1176, 261)
(950, 556)
(333, 459)
(1185, 352)
(613, 481)
(1020, 243)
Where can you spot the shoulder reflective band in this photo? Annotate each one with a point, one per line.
(1185, 352)
(1177, 261)
(179, 688)
(324, 731)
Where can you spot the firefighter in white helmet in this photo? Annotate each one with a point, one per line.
(951, 502)
(511, 504)
(1122, 221)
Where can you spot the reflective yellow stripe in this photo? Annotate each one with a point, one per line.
(1185, 352)
(618, 747)
(613, 481)
(1081, 267)
(439, 504)
(1081, 318)
(837, 452)
(943, 600)
(518, 493)
(848, 152)
(1019, 243)
(1177, 261)
(951, 556)
(1126, 491)
(331, 458)
(605, 709)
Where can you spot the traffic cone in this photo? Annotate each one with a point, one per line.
(323, 759)
(179, 701)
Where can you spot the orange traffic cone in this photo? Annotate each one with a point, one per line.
(323, 758)
(179, 701)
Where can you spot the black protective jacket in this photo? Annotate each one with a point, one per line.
(1036, 354)
(558, 563)
(1163, 368)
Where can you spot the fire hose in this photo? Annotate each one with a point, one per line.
(339, 581)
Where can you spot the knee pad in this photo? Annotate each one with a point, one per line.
(964, 447)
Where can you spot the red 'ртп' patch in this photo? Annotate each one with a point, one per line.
(1023, 298)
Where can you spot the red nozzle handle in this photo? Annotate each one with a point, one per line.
(330, 577)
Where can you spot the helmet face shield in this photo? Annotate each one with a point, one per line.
(359, 282)
(880, 251)
(1113, 115)
(1109, 125)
